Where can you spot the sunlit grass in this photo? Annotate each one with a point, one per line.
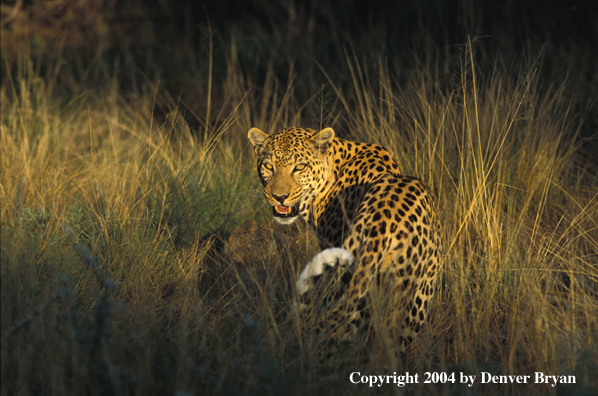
(115, 275)
(500, 155)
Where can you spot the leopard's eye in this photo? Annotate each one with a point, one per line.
(300, 167)
(268, 166)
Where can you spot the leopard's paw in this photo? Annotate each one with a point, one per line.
(331, 258)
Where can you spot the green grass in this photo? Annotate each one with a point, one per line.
(117, 204)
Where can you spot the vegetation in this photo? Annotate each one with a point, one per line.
(125, 167)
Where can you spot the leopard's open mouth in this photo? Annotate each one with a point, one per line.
(285, 211)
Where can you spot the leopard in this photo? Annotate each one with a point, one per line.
(378, 230)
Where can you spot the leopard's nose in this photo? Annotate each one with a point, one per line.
(280, 198)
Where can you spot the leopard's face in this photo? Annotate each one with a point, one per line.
(287, 180)
(292, 166)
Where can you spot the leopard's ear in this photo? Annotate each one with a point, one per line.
(321, 141)
(257, 138)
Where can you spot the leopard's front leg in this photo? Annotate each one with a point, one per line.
(339, 305)
(326, 260)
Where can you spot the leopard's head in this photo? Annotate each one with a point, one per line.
(293, 168)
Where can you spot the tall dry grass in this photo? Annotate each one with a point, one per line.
(519, 212)
(115, 275)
